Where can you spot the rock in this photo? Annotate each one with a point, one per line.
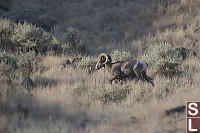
(179, 109)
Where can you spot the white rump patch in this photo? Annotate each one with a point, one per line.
(144, 65)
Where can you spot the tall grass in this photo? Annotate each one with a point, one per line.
(82, 100)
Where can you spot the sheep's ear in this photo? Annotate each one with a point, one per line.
(103, 59)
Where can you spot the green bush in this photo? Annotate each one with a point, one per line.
(162, 58)
(18, 36)
(107, 95)
(30, 63)
(25, 37)
(119, 55)
(6, 30)
(81, 89)
(29, 35)
(26, 64)
(8, 65)
(70, 39)
(117, 94)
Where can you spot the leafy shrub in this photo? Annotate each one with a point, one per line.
(70, 39)
(29, 63)
(163, 59)
(119, 55)
(87, 63)
(6, 30)
(29, 36)
(26, 64)
(116, 94)
(25, 37)
(8, 65)
(81, 89)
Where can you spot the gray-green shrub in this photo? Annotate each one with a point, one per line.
(29, 63)
(25, 37)
(70, 39)
(107, 95)
(18, 36)
(8, 65)
(162, 58)
(120, 55)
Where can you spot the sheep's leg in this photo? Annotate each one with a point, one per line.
(138, 73)
(140, 76)
(112, 79)
(147, 78)
(150, 81)
(145, 75)
(120, 81)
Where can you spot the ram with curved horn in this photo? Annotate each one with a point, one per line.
(121, 69)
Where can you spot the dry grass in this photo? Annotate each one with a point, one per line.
(141, 109)
(73, 100)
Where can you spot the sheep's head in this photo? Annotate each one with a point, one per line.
(102, 60)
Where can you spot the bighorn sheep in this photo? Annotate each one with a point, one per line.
(122, 69)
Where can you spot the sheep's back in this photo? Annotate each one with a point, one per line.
(123, 68)
(116, 69)
(127, 67)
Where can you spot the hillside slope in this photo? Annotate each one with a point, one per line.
(126, 24)
(49, 48)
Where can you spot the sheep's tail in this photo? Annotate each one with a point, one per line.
(143, 63)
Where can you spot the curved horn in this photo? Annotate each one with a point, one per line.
(108, 58)
(136, 65)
